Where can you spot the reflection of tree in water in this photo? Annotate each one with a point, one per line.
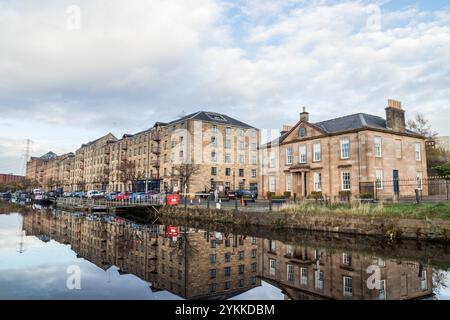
(439, 281)
(185, 245)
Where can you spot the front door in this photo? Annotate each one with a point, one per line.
(305, 184)
(395, 177)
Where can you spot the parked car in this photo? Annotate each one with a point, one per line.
(138, 196)
(123, 196)
(248, 195)
(111, 195)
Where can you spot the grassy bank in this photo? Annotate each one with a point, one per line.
(439, 210)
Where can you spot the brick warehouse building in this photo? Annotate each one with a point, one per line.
(224, 149)
(341, 155)
(9, 178)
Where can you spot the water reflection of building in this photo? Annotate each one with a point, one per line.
(304, 272)
(196, 264)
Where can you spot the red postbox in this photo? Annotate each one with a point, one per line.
(172, 231)
(173, 200)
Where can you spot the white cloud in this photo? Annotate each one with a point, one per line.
(130, 65)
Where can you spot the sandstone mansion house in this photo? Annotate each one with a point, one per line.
(342, 155)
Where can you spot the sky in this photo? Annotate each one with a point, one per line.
(72, 71)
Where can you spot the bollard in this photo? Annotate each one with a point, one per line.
(417, 195)
(270, 205)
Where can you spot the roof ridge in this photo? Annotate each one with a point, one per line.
(349, 115)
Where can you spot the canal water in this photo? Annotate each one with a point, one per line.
(49, 254)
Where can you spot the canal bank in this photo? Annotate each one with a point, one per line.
(387, 226)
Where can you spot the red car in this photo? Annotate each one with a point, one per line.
(123, 196)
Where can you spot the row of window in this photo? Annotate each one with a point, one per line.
(227, 256)
(344, 152)
(317, 182)
(227, 284)
(228, 172)
(227, 270)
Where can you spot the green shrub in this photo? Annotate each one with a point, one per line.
(287, 194)
(316, 195)
(365, 196)
(270, 194)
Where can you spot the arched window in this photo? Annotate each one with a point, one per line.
(302, 132)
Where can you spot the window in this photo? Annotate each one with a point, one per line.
(216, 117)
(213, 171)
(318, 280)
(253, 281)
(181, 154)
(346, 259)
(241, 173)
(317, 181)
(302, 132)
(213, 142)
(213, 244)
(254, 253)
(272, 267)
(423, 280)
(241, 255)
(417, 151)
(214, 128)
(290, 273)
(289, 155)
(227, 257)
(254, 160)
(348, 287)
(379, 179)
(228, 157)
(302, 152)
(253, 146)
(228, 272)
(212, 258)
(316, 151)
(213, 156)
(228, 172)
(272, 246)
(241, 159)
(241, 132)
(304, 276)
(377, 147)
(346, 181)
(241, 145)
(271, 183)
(213, 273)
(241, 283)
(345, 148)
(227, 285)
(228, 131)
(272, 161)
(419, 181)
(254, 267)
(241, 269)
(253, 173)
(228, 144)
(382, 292)
(213, 288)
(289, 183)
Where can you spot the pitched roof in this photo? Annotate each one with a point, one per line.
(347, 123)
(213, 117)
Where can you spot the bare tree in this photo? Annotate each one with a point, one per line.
(128, 173)
(422, 126)
(184, 172)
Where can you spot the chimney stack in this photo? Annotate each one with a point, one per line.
(286, 129)
(395, 116)
(304, 116)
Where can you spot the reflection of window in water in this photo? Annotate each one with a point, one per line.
(272, 267)
(254, 240)
(423, 280)
(290, 273)
(304, 276)
(319, 280)
(382, 293)
(254, 253)
(348, 287)
(289, 249)
(346, 259)
(272, 246)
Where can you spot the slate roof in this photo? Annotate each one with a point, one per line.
(210, 116)
(347, 123)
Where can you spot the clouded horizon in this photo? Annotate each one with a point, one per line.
(128, 64)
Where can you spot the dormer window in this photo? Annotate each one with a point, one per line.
(302, 132)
